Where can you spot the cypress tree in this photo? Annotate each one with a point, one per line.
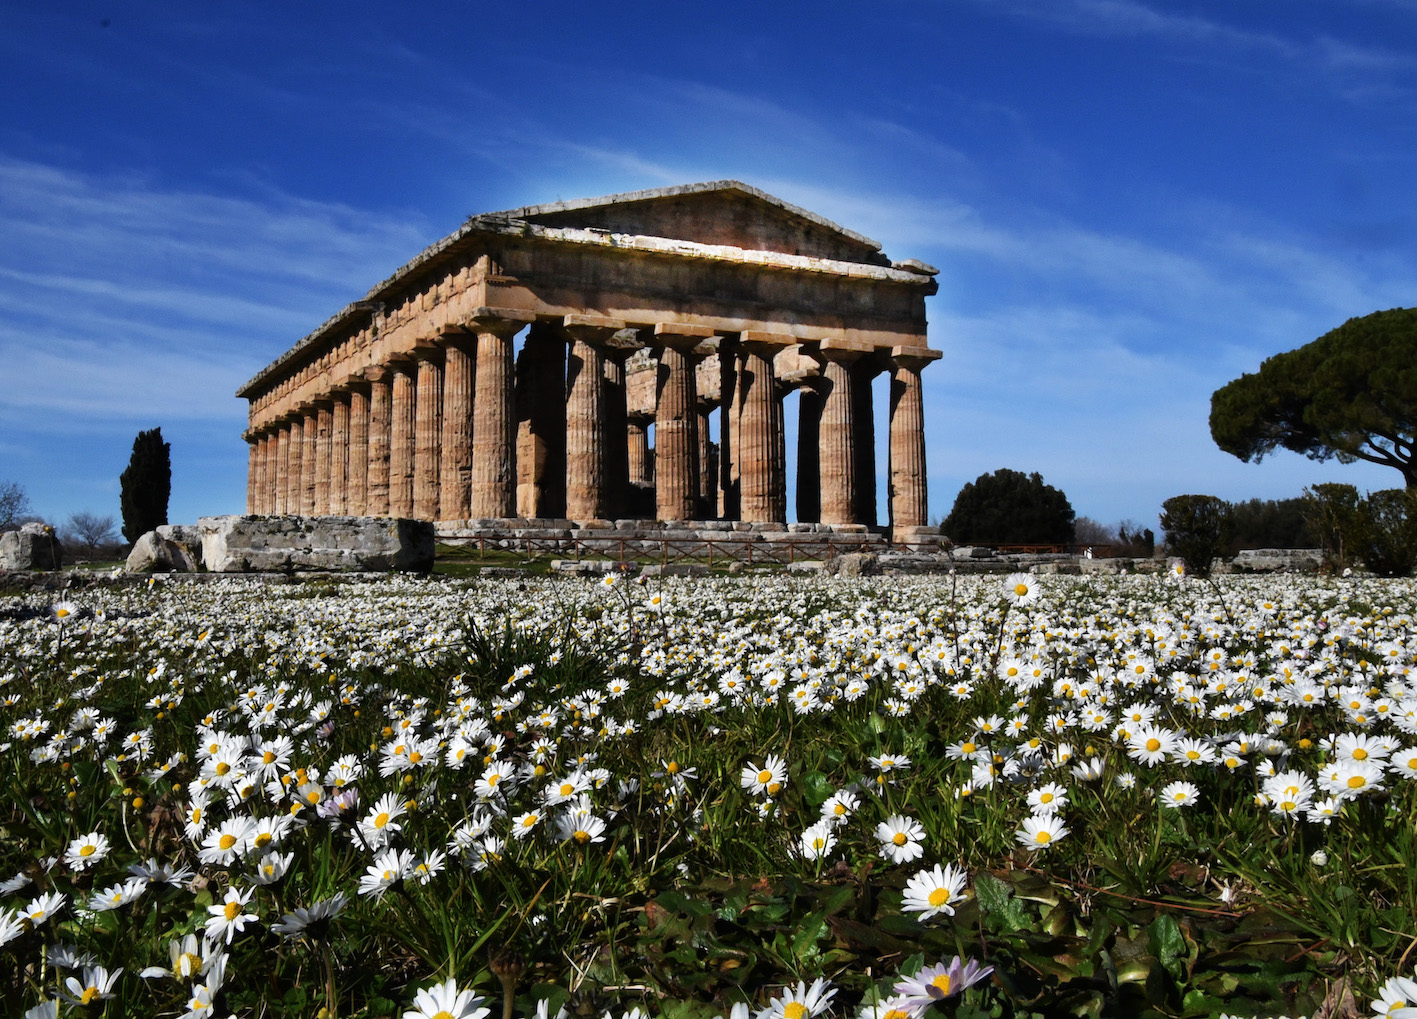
(146, 485)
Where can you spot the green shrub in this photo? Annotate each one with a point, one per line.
(1197, 529)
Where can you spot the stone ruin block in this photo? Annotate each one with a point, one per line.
(32, 547)
(171, 548)
(283, 544)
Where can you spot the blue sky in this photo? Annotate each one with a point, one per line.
(1130, 202)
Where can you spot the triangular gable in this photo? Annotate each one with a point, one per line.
(719, 212)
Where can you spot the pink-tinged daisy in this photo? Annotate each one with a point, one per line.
(938, 982)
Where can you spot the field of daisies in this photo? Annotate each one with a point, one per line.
(767, 797)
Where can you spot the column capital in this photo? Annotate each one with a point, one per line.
(686, 337)
(843, 350)
(595, 329)
(503, 321)
(374, 373)
(427, 350)
(764, 343)
(914, 358)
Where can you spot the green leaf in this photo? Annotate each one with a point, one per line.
(817, 788)
(999, 906)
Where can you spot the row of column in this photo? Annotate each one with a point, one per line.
(459, 430)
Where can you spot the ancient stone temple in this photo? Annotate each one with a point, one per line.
(519, 367)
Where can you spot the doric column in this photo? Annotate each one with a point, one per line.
(864, 417)
(839, 433)
(324, 429)
(494, 429)
(455, 462)
(272, 450)
(401, 439)
(637, 449)
(908, 494)
(309, 459)
(427, 432)
(356, 501)
(339, 454)
(255, 465)
(541, 422)
(585, 429)
(728, 455)
(762, 480)
(676, 421)
(809, 450)
(381, 424)
(289, 487)
(615, 423)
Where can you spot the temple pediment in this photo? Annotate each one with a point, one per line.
(726, 212)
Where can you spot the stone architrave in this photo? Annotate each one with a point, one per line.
(760, 435)
(908, 492)
(455, 474)
(339, 455)
(401, 440)
(357, 495)
(427, 433)
(541, 422)
(324, 454)
(494, 429)
(585, 430)
(676, 421)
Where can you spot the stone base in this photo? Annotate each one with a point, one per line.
(282, 544)
(32, 547)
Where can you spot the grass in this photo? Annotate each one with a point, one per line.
(662, 876)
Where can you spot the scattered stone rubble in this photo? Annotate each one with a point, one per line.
(32, 547)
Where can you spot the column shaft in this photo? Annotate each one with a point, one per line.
(676, 438)
(289, 487)
(339, 455)
(908, 492)
(494, 434)
(455, 475)
(272, 447)
(401, 441)
(324, 428)
(255, 464)
(428, 434)
(541, 422)
(616, 428)
(381, 422)
(309, 461)
(864, 425)
(809, 454)
(760, 437)
(357, 493)
(585, 426)
(838, 481)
